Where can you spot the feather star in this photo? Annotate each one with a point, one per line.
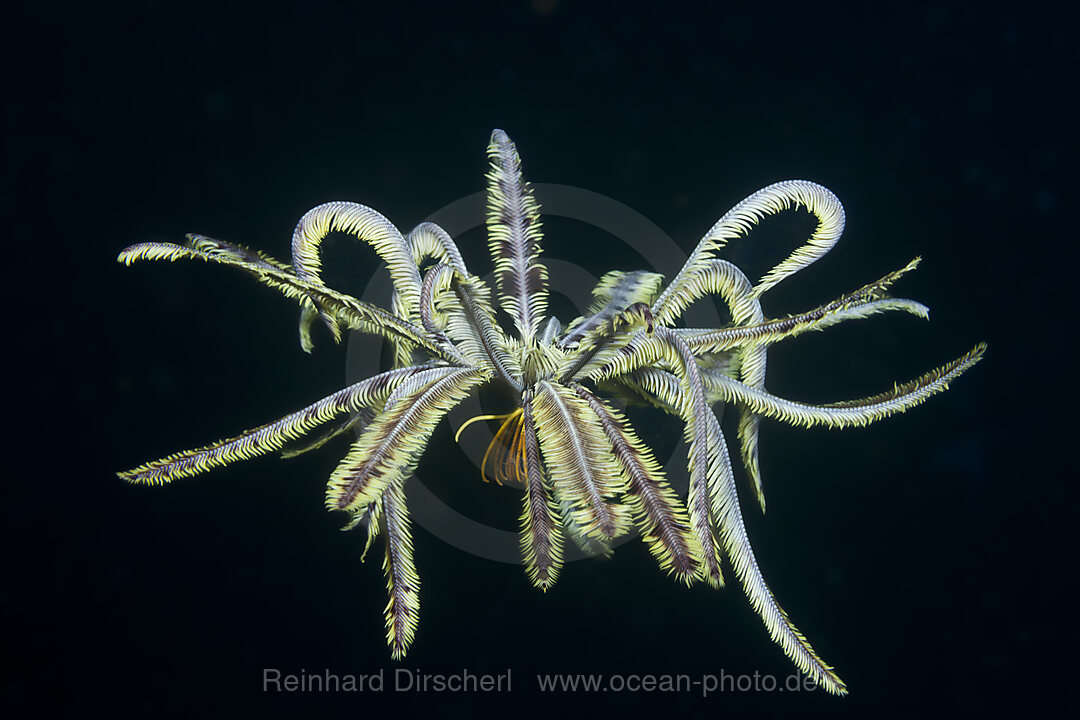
(584, 471)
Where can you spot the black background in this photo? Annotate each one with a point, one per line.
(928, 558)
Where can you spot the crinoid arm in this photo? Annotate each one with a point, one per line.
(710, 470)
(583, 470)
(514, 236)
(541, 532)
(392, 443)
(402, 579)
(848, 413)
(273, 436)
(342, 309)
(738, 221)
(657, 510)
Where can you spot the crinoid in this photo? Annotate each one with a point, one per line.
(584, 470)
